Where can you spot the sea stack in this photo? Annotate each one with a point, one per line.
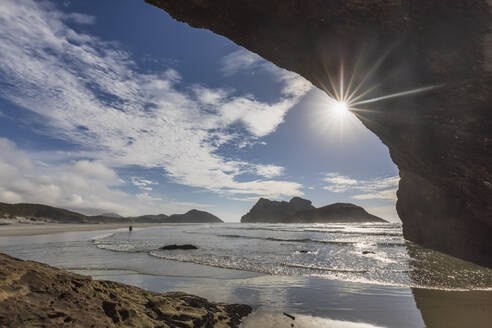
(270, 211)
(299, 210)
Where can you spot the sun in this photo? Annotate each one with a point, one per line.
(340, 107)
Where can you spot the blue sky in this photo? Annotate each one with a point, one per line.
(121, 108)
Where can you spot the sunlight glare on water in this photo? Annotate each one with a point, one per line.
(365, 253)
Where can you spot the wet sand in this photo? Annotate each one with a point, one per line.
(12, 230)
(320, 303)
(454, 309)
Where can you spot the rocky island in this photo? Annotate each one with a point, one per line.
(194, 216)
(299, 210)
(37, 213)
(37, 295)
(268, 211)
(338, 212)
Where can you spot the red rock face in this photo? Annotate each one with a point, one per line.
(441, 140)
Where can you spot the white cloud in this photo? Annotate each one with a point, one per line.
(245, 199)
(337, 188)
(337, 182)
(269, 171)
(377, 188)
(80, 185)
(90, 92)
(240, 60)
(378, 184)
(143, 184)
(213, 97)
(244, 60)
(336, 178)
(80, 18)
(382, 194)
(260, 118)
(10, 196)
(94, 170)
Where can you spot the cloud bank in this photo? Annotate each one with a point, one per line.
(378, 188)
(86, 186)
(91, 93)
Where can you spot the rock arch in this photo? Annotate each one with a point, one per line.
(440, 140)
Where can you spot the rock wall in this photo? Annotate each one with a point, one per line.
(441, 140)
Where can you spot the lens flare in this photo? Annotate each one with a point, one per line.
(347, 99)
(350, 94)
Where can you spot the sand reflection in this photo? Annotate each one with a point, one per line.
(262, 319)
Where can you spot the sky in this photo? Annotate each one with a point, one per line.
(122, 109)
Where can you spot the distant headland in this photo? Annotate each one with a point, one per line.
(299, 210)
(37, 213)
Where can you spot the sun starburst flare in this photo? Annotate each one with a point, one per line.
(351, 98)
(344, 100)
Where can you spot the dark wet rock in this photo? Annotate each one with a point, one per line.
(368, 252)
(266, 210)
(37, 295)
(174, 247)
(441, 140)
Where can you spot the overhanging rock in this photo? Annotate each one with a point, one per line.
(441, 140)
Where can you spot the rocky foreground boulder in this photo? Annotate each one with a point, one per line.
(37, 295)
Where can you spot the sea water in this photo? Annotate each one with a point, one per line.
(369, 253)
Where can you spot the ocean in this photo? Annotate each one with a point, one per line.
(340, 275)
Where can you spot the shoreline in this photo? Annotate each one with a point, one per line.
(13, 230)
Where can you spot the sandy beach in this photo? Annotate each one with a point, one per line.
(51, 228)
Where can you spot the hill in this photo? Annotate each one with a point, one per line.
(43, 213)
